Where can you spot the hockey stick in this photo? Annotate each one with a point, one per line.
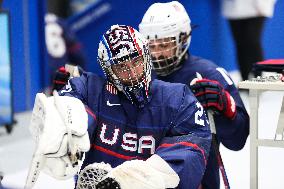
(37, 158)
(216, 149)
(35, 167)
(210, 114)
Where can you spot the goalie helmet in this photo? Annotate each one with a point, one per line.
(167, 26)
(125, 59)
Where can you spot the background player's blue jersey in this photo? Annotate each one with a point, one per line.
(172, 125)
(61, 45)
(231, 133)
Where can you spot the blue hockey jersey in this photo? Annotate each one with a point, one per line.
(61, 44)
(231, 133)
(172, 125)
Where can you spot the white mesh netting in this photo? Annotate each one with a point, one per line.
(91, 175)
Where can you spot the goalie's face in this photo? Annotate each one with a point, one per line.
(130, 72)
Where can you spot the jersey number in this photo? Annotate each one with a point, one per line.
(54, 42)
(198, 115)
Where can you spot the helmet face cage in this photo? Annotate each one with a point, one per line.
(125, 58)
(168, 52)
(131, 72)
(167, 25)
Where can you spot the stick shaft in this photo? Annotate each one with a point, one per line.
(216, 149)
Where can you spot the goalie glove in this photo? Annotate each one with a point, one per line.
(92, 174)
(59, 127)
(212, 95)
(154, 173)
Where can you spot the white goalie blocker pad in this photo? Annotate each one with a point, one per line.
(154, 173)
(59, 127)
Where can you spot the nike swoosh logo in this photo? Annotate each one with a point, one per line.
(109, 104)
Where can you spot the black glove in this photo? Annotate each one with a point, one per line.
(108, 183)
(212, 95)
(60, 79)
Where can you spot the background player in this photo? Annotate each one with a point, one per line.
(64, 51)
(167, 26)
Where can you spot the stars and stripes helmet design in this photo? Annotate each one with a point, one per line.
(125, 59)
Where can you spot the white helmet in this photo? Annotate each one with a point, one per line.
(167, 21)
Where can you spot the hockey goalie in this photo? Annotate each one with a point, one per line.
(149, 134)
(60, 144)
